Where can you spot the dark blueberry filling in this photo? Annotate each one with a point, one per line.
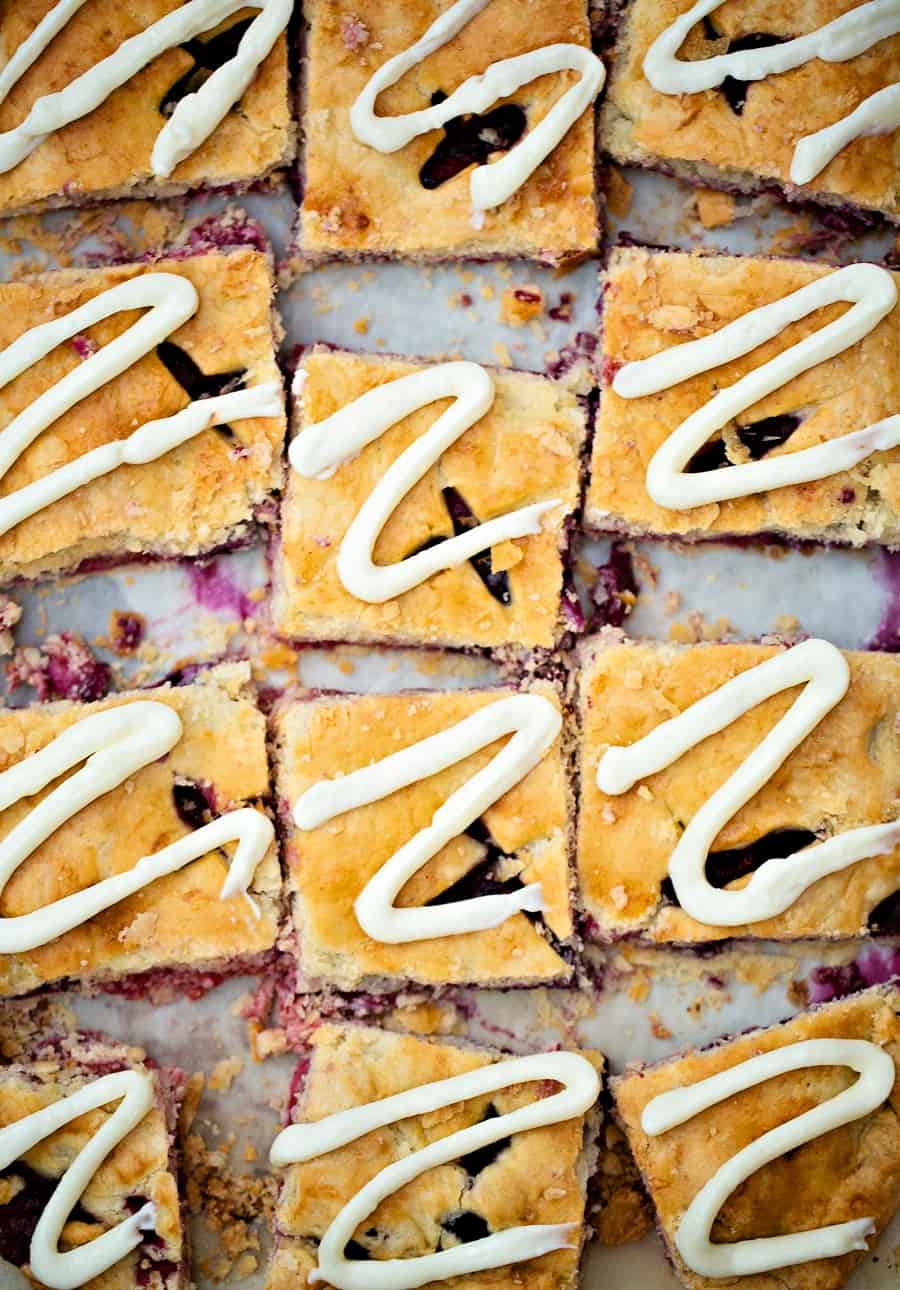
(479, 881)
(885, 917)
(192, 802)
(208, 55)
(735, 91)
(19, 1216)
(471, 141)
(723, 867)
(759, 438)
(195, 383)
(481, 1157)
(127, 631)
(353, 1250)
(466, 1226)
(612, 587)
(464, 520)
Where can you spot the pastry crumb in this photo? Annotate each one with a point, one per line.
(714, 208)
(519, 305)
(224, 1074)
(619, 192)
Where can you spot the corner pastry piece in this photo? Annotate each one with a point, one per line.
(481, 1202)
(449, 129)
(152, 855)
(411, 520)
(750, 96)
(739, 790)
(151, 433)
(747, 396)
(110, 1219)
(430, 838)
(774, 1159)
(150, 98)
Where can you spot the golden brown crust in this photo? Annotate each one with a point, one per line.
(700, 136)
(192, 499)
(139, 1167)
(362, 202)
(178, 920)
(539, 1178)
(654, 300)
(107, 152)
(525, 449)
(843, 775)
(850, 1172)
(329, 866)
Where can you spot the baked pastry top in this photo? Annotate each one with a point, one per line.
(140, 1168)
(847, 1173)
(536, 1177)
(655, 300)
(176, 921)
(844, 775)
(522, 838)
(107, 152)
(197, 496)
(745, 134)
(525, 449)
(359, 201)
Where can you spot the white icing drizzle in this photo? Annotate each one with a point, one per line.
(778, 883)
(113, 745)
(845, 37)
(534, 724)
(170, 301)
(872, 293)
(195, 116)
(319, 449)
(301, 1142)
(489, 185)
(747, 1258)
(877, 114)
(81, 1265)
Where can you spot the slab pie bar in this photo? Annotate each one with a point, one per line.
(414, 202)
(841, 777)
(138, 1175)
(519, 455)
(843, 410)
(521, 838)
(533, 1178)
(182, 496)
(736, 127)
(846, 1172)
(177, 925)
(110, 151)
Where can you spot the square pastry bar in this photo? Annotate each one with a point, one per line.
(141, 410)
(427, 504)
(751, 96)
(743, 395)
(89, 1164)
(133, 841)
(449, 128)
(406, 1165)
(149, 98)
(428, 837)
(739, 790)
(773, 1159)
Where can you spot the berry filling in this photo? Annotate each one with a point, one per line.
(723, 867)
(734, 90)
(195, 383)
(464, 520)
(759, 438)
(466, 1226)
(208, 55)
(19, 1215)
(193, 802)
(471, 141)
(481, 1157)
